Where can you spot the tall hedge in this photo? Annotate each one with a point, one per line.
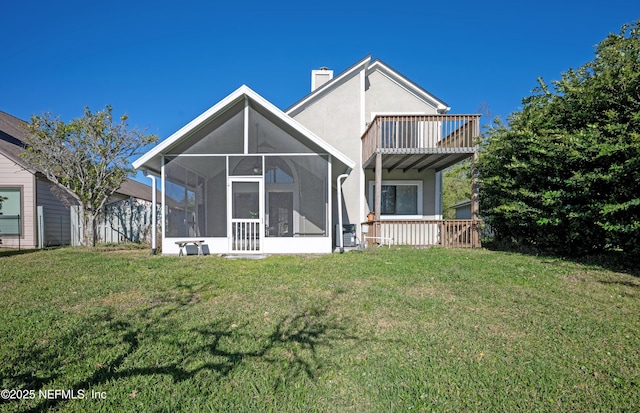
(564, 174)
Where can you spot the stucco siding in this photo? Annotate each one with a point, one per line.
(383, 95)
(336, 119)
(14, 176)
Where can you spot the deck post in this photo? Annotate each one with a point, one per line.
(475, 236)
(378, 190)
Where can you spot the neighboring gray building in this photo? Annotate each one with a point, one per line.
(33, 215)
(246, 177)
(463, 209)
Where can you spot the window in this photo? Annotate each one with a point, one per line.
(10, 211)
(184, 201)
(398, 198)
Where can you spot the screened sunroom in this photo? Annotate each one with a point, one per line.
(245, 178)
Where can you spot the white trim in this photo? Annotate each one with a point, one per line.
(408, 182)
(363, 127)
(246, 125)
(186, 155)
(297, 245)
(363, 106)
(261, 206)
(164, 202)
(243, 92)
(329, 206)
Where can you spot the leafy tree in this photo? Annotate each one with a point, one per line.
(456, 187)
(564, 175)
(88, 158)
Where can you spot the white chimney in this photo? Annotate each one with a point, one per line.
(320, 77)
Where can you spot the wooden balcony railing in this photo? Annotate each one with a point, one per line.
(413, 134)
(418, 233)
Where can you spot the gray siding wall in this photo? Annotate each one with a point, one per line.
(55, 222)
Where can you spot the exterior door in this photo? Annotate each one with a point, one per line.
(246, 218)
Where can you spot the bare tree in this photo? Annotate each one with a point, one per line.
(88, 158)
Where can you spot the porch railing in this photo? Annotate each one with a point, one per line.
(420, 133)
(422, 233)
(246, 235)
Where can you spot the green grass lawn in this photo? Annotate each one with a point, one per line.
(384, 330)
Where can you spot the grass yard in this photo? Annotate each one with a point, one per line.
(384, 330)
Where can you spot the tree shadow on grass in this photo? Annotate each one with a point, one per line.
(290, 342)
(9, 252)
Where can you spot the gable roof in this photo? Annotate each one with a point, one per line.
(152, 159)
(369, 67)
(463, 203)
(138, 190)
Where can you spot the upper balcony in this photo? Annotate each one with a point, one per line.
(420, 141)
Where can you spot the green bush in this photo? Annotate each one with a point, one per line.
(564, 175)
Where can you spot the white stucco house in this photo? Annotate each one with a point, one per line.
(246, 177)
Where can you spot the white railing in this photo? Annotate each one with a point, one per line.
(246, 235)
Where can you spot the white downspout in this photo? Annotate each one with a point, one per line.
(154, 215)
(340, 229)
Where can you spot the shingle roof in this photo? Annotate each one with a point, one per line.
(138, 190)
(12, 130)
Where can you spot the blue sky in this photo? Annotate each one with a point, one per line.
(163, 63)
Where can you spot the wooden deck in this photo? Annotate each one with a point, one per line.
(423, 233)
(420, 141)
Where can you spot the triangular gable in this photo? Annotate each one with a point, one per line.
(152, 160)
(395, 76)
(370, 67)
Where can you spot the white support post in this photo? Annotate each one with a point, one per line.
(340, 229)
(154, 215)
